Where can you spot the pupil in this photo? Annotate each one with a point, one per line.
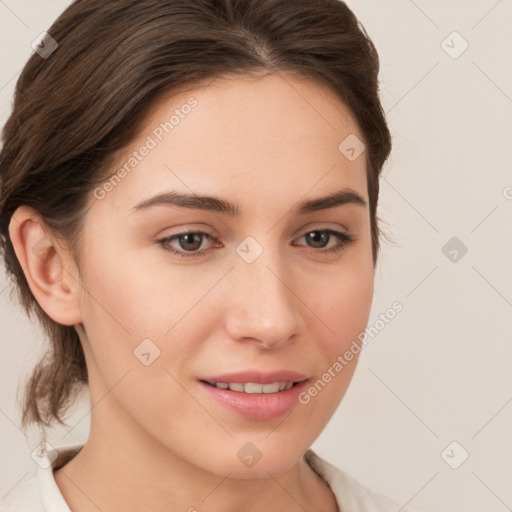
(318, 236)
(191, 238)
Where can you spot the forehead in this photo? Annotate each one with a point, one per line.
(277, 133)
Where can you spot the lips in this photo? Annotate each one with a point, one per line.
(256, 395)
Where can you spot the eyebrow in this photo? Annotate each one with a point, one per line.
(216, 204)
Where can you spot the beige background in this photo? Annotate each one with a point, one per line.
(440, 371)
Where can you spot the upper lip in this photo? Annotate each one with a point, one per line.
(257, 377)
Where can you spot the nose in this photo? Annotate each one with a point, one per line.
(263, 307)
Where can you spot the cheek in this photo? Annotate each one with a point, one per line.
(138, 293)
(127, 314)
(343, 300)
(139, 311)
(345, 310)
(342, 305)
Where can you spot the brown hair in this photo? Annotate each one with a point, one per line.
(74, 109)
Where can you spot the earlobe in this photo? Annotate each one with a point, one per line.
(45, 266)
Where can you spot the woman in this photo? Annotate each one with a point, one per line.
(189, 193)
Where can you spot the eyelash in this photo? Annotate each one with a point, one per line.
(344, 240)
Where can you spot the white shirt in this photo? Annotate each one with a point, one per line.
(41, 494)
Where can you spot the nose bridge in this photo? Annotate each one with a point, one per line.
(262, 304)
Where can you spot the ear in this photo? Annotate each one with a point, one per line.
(50, 270)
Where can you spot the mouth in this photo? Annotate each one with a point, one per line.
(262, 401)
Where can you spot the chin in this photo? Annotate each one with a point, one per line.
(254, 457)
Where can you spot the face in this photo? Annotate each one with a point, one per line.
(183, 291)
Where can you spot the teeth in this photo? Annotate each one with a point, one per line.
(271, 388)
(236, 386)
(252, 387)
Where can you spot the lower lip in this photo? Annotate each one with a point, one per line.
(257, 406)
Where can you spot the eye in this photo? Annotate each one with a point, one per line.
(191, 241)
(320, 237)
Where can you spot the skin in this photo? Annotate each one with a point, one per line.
(265, 144)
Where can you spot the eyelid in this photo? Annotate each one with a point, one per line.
(319, 226)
